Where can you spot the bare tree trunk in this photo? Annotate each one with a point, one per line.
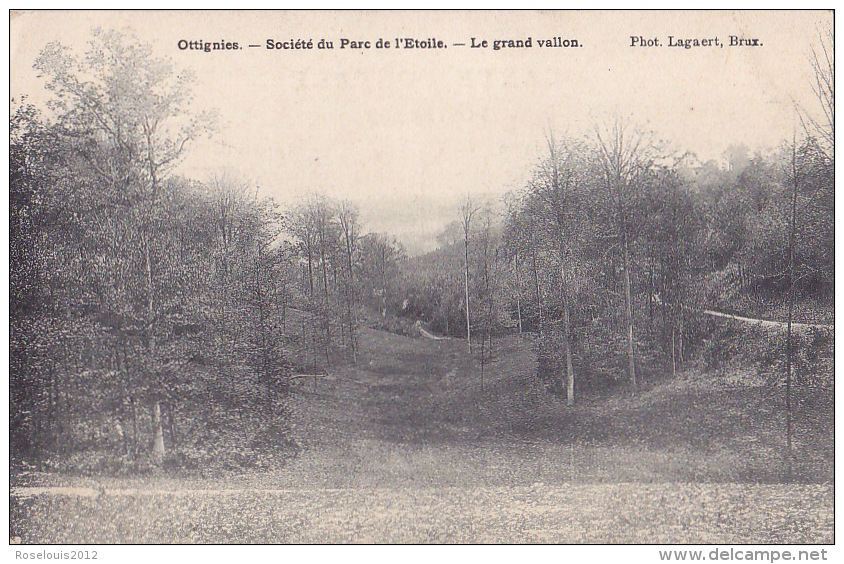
(538, 292)
(673, 360)
(350, 296)
(631, 362)
(622, 160)
(171, 425)
(468, 319)
(569, 368)
(468, 211)
(305, 338)
(518, 291)
(788, 345)
(284, 311)
(482, 363)
(310, 270)
(51, 400)
(135, 430)
(39, 455)
(325, 292)
(383, 283)
(489, 321)
(566, 320)
(352, 323)
(340, 300)
(680, 350)
(651, 297)
(157, 434)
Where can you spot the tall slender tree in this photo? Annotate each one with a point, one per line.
(348, 218)
(467, 212)
(622, 155)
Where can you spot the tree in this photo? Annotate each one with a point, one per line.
(805, 168)
(487, 291)
(322, 217)
(512, 250)
(792, 232)
(467, 211)
(35, 153)
(622, 155)
(555, 189)
(124, 112)
(822, 127)
(381, 257)
(562, 177)
(310, 223)
(348, 218)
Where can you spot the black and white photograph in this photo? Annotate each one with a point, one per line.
(442, 277)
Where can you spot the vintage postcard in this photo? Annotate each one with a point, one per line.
(403, 277)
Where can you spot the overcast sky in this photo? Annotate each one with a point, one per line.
(409, 133)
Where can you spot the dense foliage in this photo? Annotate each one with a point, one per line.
(615, 225)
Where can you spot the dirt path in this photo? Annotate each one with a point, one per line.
(426, 334)
(767, 322)
(755, 320)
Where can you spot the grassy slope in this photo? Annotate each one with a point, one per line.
(407, 447)
(426, 395)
